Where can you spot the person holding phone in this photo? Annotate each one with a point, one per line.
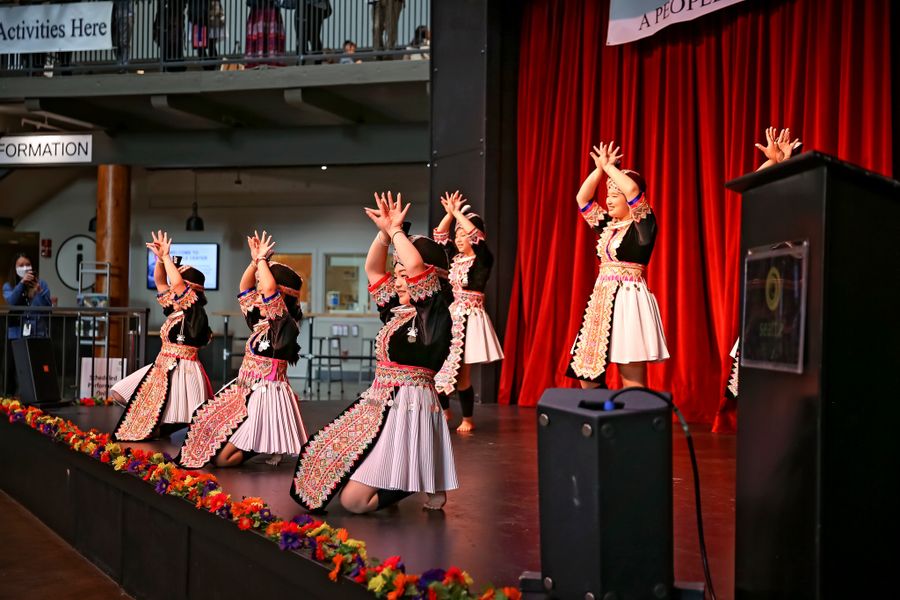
(23, 287)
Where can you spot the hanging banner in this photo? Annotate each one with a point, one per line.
(45, 149)
(56, 27)
(631, 20)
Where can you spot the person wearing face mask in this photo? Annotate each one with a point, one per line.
(474, 339)
(393, 441)
(24, 288)
(621, 324)
(258, 412)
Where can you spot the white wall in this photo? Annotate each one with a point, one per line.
(306, 210)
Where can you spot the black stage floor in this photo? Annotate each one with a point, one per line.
(490, 525)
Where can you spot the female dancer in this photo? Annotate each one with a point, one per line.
(257, 412)
(474, 340)
(393, 441)
(170, 389)
(778, 149)
(621, 324)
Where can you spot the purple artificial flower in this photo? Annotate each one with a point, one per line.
(431, 576)
(265, 514)
(162, 485)
(133, 466)
(289, 541)
(302, 519)
(224, 512)
(167, 457)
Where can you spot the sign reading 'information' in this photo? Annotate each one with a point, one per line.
(56, 27)
(45, 149)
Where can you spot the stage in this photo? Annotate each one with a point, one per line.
(489, 526)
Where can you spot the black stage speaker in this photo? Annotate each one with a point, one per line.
(36, 370)
(605, 483)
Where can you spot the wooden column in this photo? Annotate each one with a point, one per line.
(113, 233)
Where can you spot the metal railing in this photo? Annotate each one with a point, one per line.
(172, 35)
(101, 344)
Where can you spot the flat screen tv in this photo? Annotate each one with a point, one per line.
(204, 257)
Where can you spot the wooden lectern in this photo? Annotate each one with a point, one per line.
(818, 451)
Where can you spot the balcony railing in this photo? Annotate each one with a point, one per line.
(173, 35)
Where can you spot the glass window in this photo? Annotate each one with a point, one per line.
(346, 286)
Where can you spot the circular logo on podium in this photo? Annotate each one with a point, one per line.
(69, 257)
(773, 289)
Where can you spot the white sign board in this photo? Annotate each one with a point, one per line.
(96, 380)
(56, 27)
(46, 149)
(631, 20)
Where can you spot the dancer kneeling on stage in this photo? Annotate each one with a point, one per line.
(169, 390)
(474, 339)
(257, 413)
(393, 441)
(622, 323)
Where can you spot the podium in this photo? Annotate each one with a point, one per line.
(818, 451)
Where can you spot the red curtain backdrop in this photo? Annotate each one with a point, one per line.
(687, 106)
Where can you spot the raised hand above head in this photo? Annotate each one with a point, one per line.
(396, 211)
(785, 145)
(379, 215)
(265, 245)
(606, 154)
(771, 150)
(253, 244)
(163, 243)
(450, 202)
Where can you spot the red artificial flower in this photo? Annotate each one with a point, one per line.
(454, 575)
(245, 523)
(104, 457)
(432, 595)
(512, 593)
(392, 563)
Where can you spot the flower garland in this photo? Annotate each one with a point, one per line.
(95, 401)
(333, 547)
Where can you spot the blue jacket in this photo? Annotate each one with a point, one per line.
(17, 295)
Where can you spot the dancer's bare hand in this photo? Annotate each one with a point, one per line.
(786, 146)
(771, 148)
(266, 245)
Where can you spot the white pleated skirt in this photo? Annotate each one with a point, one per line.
(187, 390)
(273, 424)
(637, 332)
(482, 345)
(413, 452)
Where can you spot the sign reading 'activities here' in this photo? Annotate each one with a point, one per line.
(56, 27)
(45, 149)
